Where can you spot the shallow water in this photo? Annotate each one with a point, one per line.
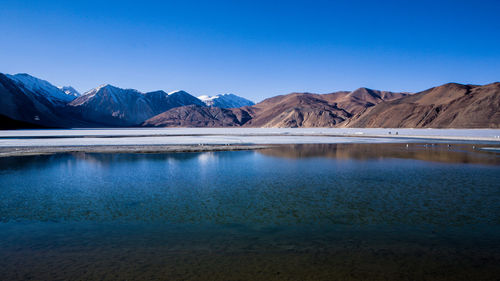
(300, 212)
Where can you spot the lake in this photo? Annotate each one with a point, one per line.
(291, 212)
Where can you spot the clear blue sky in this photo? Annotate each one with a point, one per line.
(255, 49)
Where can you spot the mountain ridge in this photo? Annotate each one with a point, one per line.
(451, 105)
(115, 106)
(29, 100)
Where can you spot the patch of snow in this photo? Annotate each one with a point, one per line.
(68, 90)
(225, 101)
(110, 88)
(94, 91)
(205, 98)
(40, 87)
(177, 92)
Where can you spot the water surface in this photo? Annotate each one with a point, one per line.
(299, 212)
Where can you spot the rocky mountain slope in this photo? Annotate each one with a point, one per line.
(314, 110)
(113, 106)
(293, 110)
(161, 101)
(41, 88)
(199, 116)
(448, 106)
(360, 99)
(31, 102)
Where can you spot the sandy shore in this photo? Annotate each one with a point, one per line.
(237, 135)
(46, 150)
(163, 140)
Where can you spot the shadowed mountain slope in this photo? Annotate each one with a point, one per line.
(114, 106)
(199, 116)
(30, 100)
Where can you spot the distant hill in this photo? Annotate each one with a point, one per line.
(226, 101)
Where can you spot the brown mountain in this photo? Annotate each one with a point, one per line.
(198, 116)
(296, 110)
(29, 102)
(360, 99)
(292, 110)
(448, 106)
(314, 110)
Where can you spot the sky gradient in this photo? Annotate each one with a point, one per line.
(254, 49)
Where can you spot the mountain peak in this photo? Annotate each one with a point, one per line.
(365, 94)
(453, 85)
(178, 92)
(40, 87)
(105, 86)
(158, 92)
(227, 100)
(109, 88)
(68, 90)
(23, 74)
(363, 89)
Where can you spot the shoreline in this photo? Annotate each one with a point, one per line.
(119, 133)
(223, 141)
(363, 135)
(165, 140)
(144, 149)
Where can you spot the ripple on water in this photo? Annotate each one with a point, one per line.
(306, 212)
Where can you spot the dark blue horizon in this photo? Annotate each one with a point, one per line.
(254, 49)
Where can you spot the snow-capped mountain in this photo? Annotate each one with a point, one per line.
(226, 101)
(29, 102)
(70, 91)
(41, 88)
(107, 91)
(110, 105)
(27, 99)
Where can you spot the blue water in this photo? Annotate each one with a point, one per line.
(336, 210)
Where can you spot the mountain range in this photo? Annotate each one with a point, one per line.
(30, 102)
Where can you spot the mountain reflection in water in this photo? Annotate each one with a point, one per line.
(437, 152)
(291, 212)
